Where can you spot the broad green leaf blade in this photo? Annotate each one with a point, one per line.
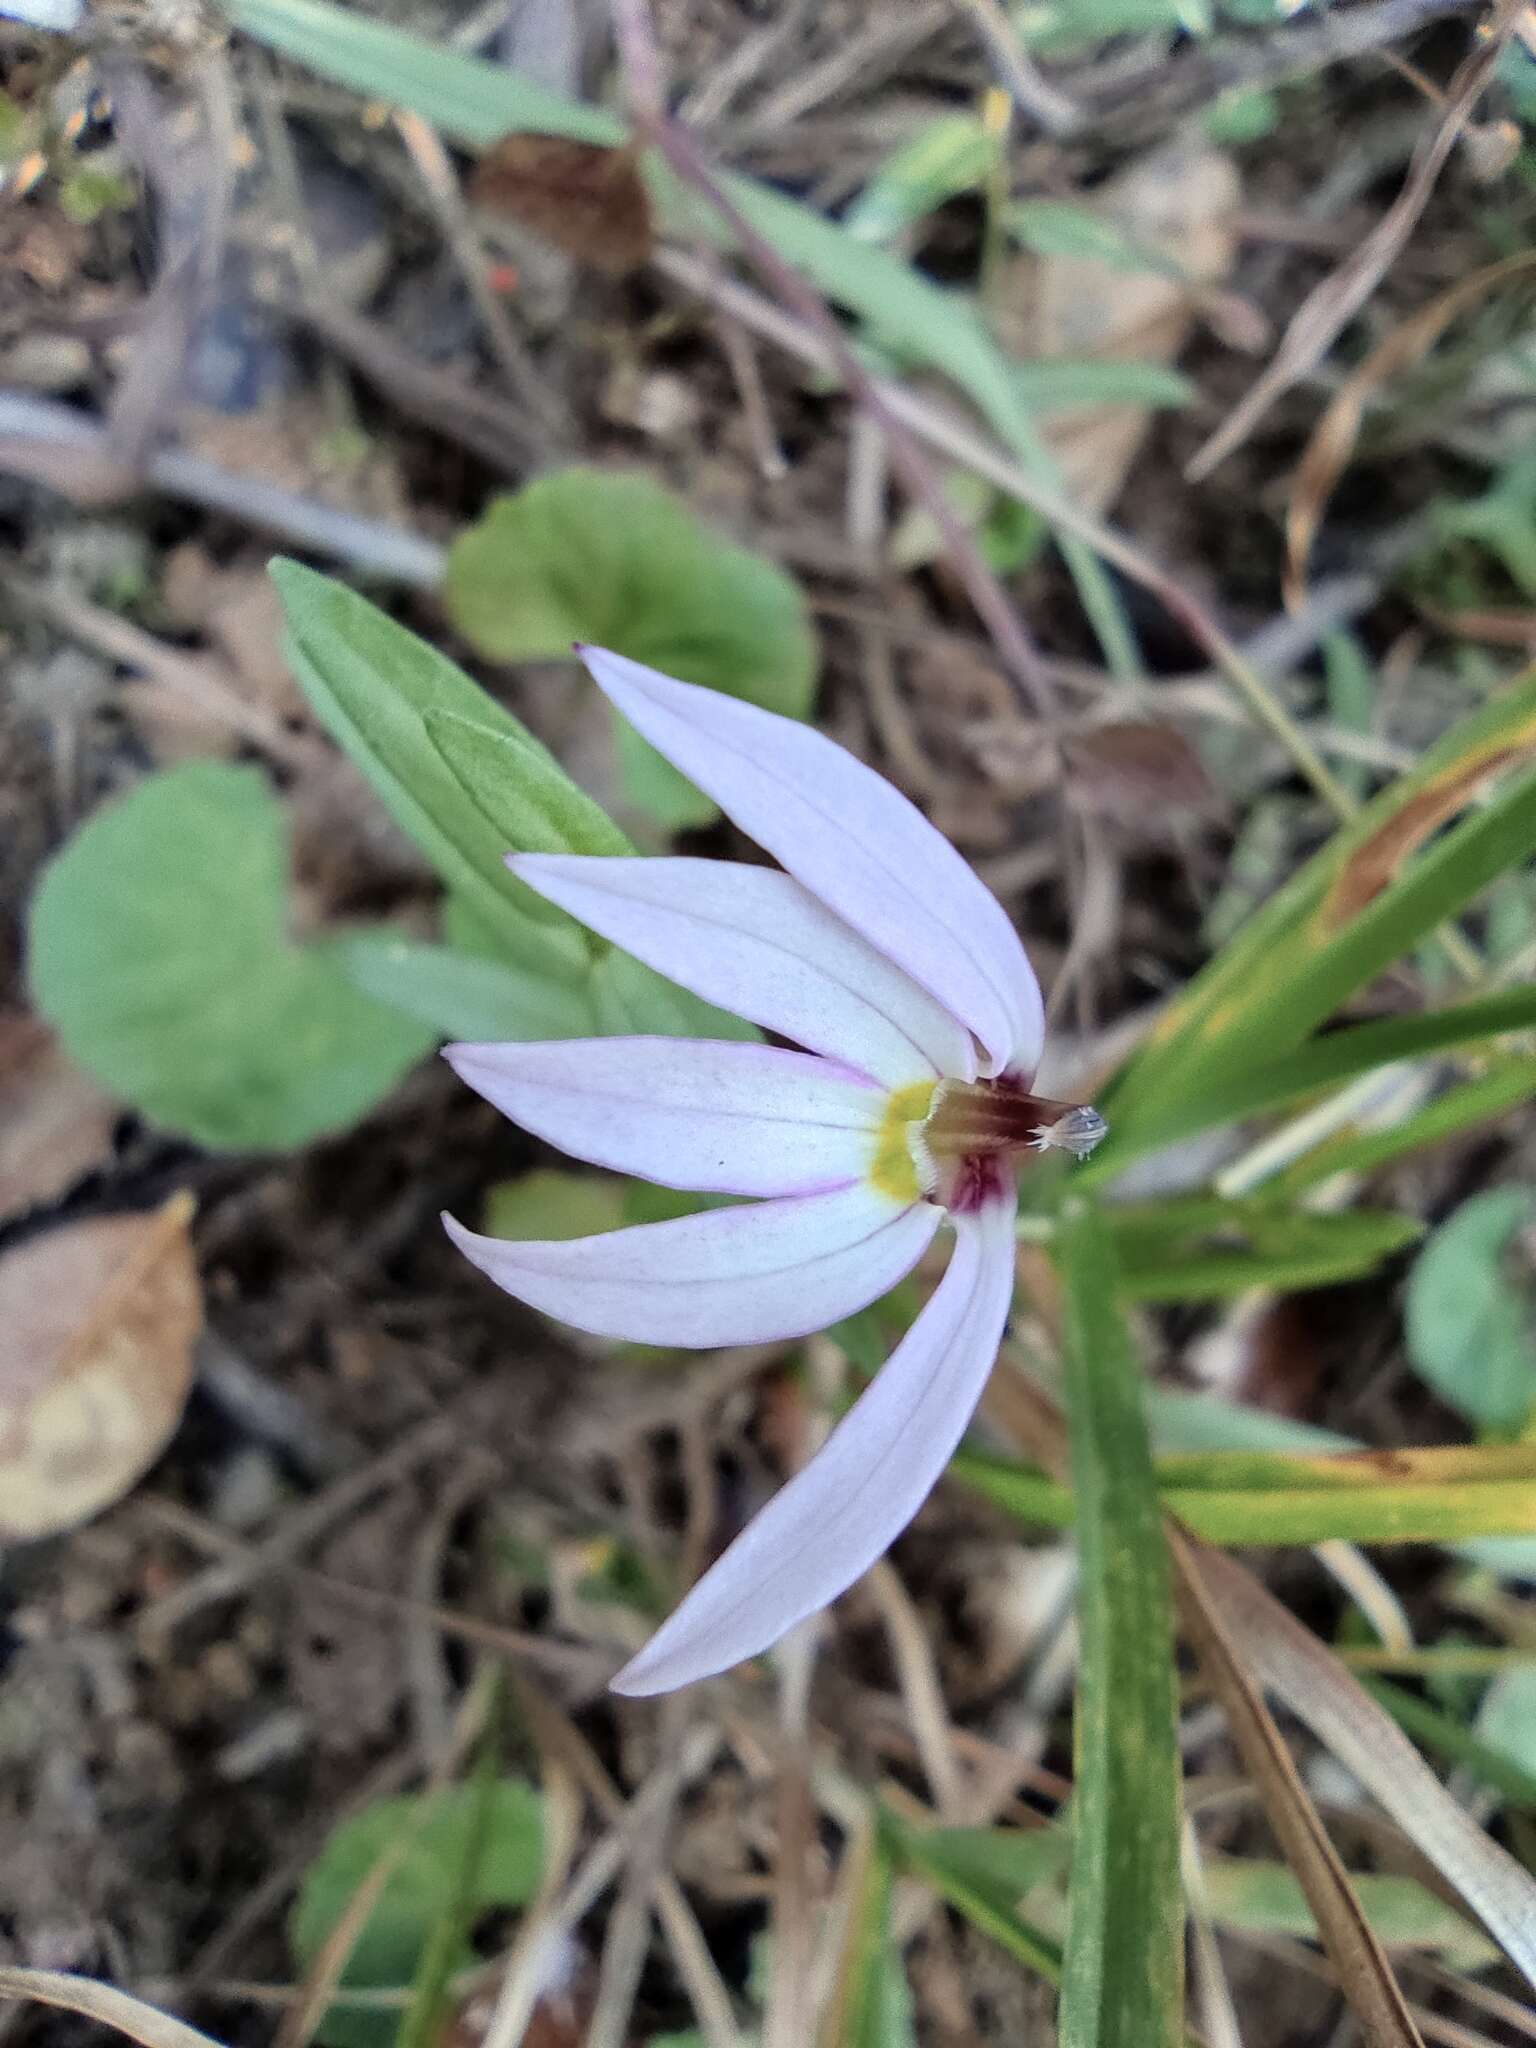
(159, 952)
(526, 795)
(628, 996)
(509, 1821)
(459, 995)
(1122, 1976)
(371, 684)
(617, 560)
(1470, 1325)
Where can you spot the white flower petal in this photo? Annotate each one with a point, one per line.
(697, 1113)
(748, 1275)
(825, 1529)
(853, 840)
(759, 944)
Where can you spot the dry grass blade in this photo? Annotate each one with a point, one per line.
(1289, 1661)
(1357, 1955)
(1322, 316)
(103, 2003)
(1333, 438)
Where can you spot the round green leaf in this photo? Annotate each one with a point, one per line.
(499, 1827)
(1470, 1325)
(159, 952)
(617, 560)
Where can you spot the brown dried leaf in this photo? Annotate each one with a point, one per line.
(1135, 770)
(1333, 438)
(1356, 1953)
(1376, 860)
(97, 1325)
(588, 200)
(55, 1123)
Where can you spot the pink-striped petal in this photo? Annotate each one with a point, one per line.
(825, 1529)
(757, 943)
(853, 840)
(747, 1275)
(720, 1116)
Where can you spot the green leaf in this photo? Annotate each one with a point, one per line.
(1359, 905)
(1056, 385)
(1499, 1753)
(1122, 1973)
(522, 789)
(594, 555)
(984, 1873)
(461, 995)
(1202, 1247)
(1509, 1080)
(1470, 1326)
(160, 953)
(477, 102)
(947, 156)
(422, 1887)
(628, 996)
(553, 1203)
(875, 2003)
(1267, 1898)
(1060, 227)
(371, 684)
(1341, 1056)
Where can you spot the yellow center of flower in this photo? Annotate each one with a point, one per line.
(894, 1169)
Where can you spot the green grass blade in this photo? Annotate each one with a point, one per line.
(1436, 1731)
(1122, 1980)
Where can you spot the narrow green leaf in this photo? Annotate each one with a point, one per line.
(517, 785)
(1338, 1057)
(1202, 1247)
(1065, 382)
(159, 951)
(1267, 1898)
(1437, 1732)
(984, 1873)
(371, 682)
(460, 995)
(876, 2003)
(1305, 952)
(630, 997)
(948, 156)
(1508, 1082)
(1123, 1968)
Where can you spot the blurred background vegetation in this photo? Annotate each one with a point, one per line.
(1114, 419)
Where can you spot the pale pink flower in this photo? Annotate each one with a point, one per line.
(881, 954)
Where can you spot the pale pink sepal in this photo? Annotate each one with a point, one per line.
(825, 1529)
(759, 944)
(715, 1115)
(746, 1275)
(853, 840)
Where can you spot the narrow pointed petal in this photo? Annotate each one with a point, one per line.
(717, 1116)
(853, 840)
(757, 943)
(825, 1529)
(747, 1275)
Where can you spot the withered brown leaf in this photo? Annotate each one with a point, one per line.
(586, 198)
